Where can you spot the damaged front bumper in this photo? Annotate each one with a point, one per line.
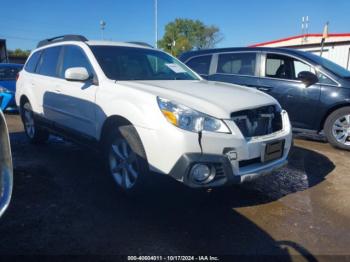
(224, 171)
(233, 157)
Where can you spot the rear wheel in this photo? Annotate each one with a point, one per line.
(126, 159)
(35, 134)
(337, 128)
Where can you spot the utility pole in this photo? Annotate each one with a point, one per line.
(102, 26)
(304, 28)
(324, 37)
(156, 22)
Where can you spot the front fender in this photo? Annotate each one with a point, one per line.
(143, 113)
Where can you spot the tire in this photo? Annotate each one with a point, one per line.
(337, 128)
(125, 159)
(33, 131)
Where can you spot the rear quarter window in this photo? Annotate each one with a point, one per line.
(32, 62)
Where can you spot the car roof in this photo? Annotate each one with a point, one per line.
(96, 43)
(75, 39)
(10, 65)
(185, 56)
(115, 43)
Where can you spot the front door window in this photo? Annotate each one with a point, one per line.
(285, 67)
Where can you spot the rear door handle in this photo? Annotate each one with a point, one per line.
(57, 89)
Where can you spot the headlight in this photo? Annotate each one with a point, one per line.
(190, 119)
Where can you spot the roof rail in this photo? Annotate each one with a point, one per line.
(140, 43)
(62, 38)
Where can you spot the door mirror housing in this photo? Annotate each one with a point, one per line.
(76, 74)
(6, 170)
(307, 78)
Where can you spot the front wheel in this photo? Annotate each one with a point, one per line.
(337, 128)
(126, 159)
(35, 134)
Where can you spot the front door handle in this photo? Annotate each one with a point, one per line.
(251, 86)
(261, 88)
(264, 88)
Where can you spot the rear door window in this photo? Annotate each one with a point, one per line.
(48, 62)
(200, 64)
(237, 63)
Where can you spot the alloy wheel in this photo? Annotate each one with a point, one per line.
(341, 130)
(28, 121)
(122, 163)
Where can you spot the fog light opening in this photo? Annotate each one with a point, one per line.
(202, 173)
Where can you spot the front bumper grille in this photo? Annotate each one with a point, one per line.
(259, 121)
(244, 163)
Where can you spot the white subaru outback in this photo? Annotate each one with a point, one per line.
(149, 112)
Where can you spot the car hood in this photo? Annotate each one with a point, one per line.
(213, 98)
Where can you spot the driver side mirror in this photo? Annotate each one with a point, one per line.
(307, 78)
(76, 74)
(6, 170)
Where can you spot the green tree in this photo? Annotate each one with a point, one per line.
(186, 34)
(19, 53)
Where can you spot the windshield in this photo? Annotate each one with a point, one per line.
(329, 65)
(8, 73)
(128, 63)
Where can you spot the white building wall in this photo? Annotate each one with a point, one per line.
(337, 46)
(339, 54)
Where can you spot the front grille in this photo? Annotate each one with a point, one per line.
(259, 121)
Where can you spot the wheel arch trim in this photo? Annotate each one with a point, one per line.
(330, 111)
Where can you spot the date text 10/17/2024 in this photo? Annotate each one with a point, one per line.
(173, 258)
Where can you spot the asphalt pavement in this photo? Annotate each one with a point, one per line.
(64, 204)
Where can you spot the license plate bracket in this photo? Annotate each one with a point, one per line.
(272, 151)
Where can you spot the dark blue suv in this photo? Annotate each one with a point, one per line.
(314, 90)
